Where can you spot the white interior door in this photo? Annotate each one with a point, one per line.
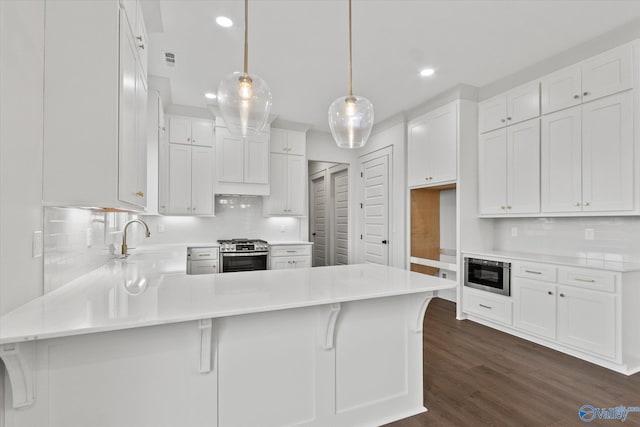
(375, 233)
(341, 217)
(319, 220)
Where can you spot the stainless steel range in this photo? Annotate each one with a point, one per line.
(243, 255)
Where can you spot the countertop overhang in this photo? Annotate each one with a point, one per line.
(130, 294)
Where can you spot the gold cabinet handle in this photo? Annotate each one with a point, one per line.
(163, 207)
(140, 194)
(584, 280)
(577, 204)
(503, 207)
(533, 272)
(485, 306)
(586, 203)
(508, 207)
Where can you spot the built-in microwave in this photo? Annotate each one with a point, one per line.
(488, 275)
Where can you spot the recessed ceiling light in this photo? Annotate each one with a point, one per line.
(210, 95)
(223, 21)
(427, 72)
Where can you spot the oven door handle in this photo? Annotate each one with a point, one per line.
(230, 254)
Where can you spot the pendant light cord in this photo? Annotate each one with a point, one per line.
(246, 36)
(350, 55)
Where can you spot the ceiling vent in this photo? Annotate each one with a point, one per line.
(170, 59)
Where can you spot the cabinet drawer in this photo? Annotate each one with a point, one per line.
(589, 279)
(290, 250)
(203, 267)
(203, 253)
(487, 305)
(535, 271)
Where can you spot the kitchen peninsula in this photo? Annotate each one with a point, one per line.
(134, 343)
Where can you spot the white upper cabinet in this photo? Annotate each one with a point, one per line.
(288, 142)
(515, 106)
(433, 141)
(509, 176)
(587, 157)
(562, 89)
(492, 113)
(523, 103)
(602, 75)
(190, 180)
(607, 154)
(185, 130)
(179, 180)
(202, 181)
(242, 163)
(561, 161)
(95, 85)
(288, 176)
(607, 73)
(492, 180)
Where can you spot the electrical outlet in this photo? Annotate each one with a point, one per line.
(588, 234)
(282, 229)
(37, 244)
(444, 275)
(160, 228)
(514, 231)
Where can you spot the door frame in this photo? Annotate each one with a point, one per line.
(332, 171)
(312, 215)
(385, 151)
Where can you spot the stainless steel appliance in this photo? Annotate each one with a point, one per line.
(243, 255)
(202, 260)
(488, 275)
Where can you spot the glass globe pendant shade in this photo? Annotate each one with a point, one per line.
(351, 121)
(245, 102)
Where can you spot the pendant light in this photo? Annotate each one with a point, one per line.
(244, 99)
(351, 117)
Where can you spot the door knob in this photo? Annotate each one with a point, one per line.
(313, 234)
(384, 242)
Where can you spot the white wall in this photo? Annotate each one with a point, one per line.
(21, 130)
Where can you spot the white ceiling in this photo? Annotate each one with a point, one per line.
(300, 46)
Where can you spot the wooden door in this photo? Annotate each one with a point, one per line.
(492, 170)
(319, 219)
(561, 161)
(607, 154)
(375, 184)
(340, 227)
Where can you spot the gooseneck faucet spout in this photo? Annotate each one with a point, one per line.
(147, 233)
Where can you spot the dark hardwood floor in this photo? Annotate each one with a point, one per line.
(477, 376)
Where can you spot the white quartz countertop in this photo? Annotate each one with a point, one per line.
(145, 290)
(602, 264)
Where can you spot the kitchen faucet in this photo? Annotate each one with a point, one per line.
(124, 233)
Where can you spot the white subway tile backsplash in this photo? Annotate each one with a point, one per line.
(614, 238)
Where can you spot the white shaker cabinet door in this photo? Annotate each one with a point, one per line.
(229, 157)
(179, 179)
(163, 177)
(276, 202)
(493, 113)
(523, 103)
(441, 145)
(256, 160)
(534, 307)
(296, 143)
(587, 320)
(202, 132)
(297, 183)
(562, 89)
(493, 172)
(607, 73)
(202, 181)
(141, 138)
(128, 137)
(301, 262)
(179, 130)
(523, 167)
(607, 154)
(278, 141)
(418, 151)
(561, 167)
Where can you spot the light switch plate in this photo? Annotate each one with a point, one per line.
(588, 234)
(514, 231)
(37, 244)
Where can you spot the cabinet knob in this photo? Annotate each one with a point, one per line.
(508, 207)
(576, 96)
(577, 204)
(163, 207)
(194, 209)
(189, 139)
(140, 194)
(503, 207)
(550, 293)
(193, 140)
(585, 94)
(508, 118)
(586, 203)
(502, 120)
(561, 295)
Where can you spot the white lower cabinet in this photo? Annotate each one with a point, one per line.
(587, 320)
(535, 307)
(289, 256)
